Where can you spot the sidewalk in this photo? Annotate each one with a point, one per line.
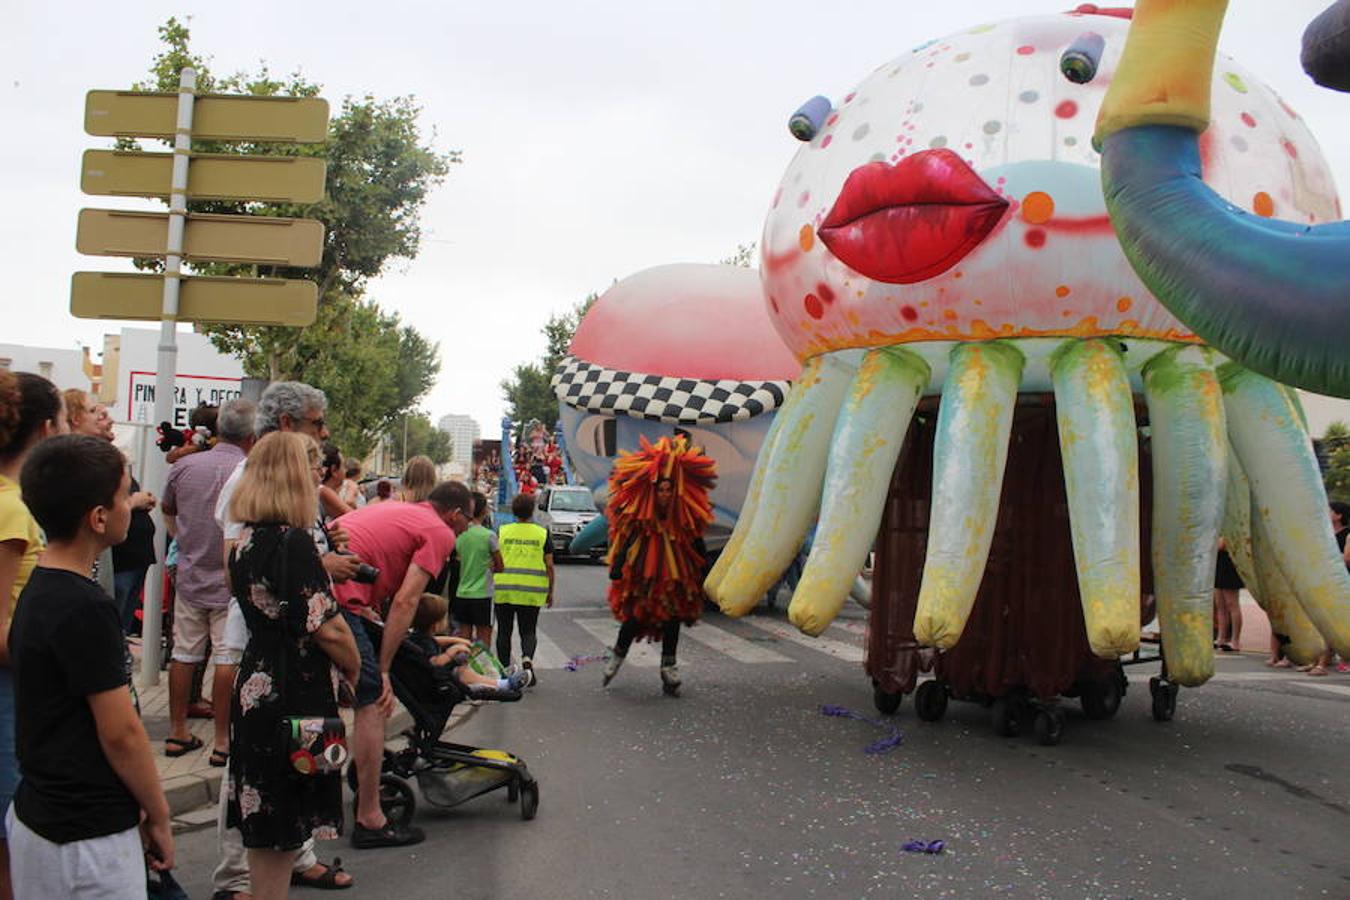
(191, 783)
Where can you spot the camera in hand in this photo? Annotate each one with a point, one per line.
(365, 573)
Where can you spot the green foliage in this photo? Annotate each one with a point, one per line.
(379, 174)
(743, 257)
(422, 438)
(1335, 447)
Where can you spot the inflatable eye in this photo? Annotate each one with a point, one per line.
(1079, 63)
(806, 122)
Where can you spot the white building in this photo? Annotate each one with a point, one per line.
(130, 359)
(463, 431)
(63, 368)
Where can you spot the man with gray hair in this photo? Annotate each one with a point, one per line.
(201, 597)
(284, 406)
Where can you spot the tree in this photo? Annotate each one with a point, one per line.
(372, 367)
(422, 437)
(743, 257)
(528, 392)
(1335, 448)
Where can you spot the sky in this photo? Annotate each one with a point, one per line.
(599, 137)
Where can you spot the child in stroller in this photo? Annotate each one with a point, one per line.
(429, 681)
(449, 655)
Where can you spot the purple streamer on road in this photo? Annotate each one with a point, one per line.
(882, 745)
(577, 662)
(924, 846)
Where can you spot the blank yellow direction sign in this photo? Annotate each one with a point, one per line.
(211, 176)
(207, 238)
(215, 117)
(237, 301)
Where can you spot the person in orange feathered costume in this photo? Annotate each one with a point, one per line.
(658, 509)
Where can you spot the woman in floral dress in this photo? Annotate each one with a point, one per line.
(290, 667)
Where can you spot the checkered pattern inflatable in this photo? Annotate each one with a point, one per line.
(663, 398)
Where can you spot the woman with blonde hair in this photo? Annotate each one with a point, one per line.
(86, 415)
(419, 477)
(279, 800)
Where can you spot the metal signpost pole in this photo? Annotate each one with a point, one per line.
(166, 369)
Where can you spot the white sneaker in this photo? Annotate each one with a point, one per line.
(612, 668)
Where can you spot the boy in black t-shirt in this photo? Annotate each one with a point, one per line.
(88, 772)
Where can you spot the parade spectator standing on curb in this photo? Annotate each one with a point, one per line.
(201, 596)
(296, 641)
(350, 493)
(525, 583)
(87, 416)
(409, 543)
(31, 410)
(419, 477)
(88, 772)
(284, 406)
(479, 558)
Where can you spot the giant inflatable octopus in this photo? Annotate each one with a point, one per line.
(944, 231)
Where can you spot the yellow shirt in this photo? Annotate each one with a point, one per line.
(18, 524)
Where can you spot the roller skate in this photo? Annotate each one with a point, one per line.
(670, 678)
(611, 668)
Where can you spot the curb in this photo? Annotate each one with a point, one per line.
(193, 798)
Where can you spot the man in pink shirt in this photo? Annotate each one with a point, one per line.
(409, 543)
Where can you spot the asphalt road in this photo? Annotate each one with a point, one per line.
(741, 788)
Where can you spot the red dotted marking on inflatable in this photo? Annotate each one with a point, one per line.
(909, 312)
(1035, 238)
(1289, 148)
(1066, 110)
(849, 97)
(834, 117)
(813, 307)
(1248, 120)
(1025, 50)
(825, 292)
(826, 142)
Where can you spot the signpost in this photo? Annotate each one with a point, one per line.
(171, 297)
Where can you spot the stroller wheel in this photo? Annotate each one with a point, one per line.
(529, 800)
(512, 792)
(396, 800)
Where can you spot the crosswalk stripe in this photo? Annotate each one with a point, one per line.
(606, 631)
(738, 648)
(1341, 689)
(548, 655)
(848, 652)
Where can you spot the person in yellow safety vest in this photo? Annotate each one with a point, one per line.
(525, 583)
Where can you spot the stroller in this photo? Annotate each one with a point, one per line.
(447, 774)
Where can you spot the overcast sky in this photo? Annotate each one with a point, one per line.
(599, 138)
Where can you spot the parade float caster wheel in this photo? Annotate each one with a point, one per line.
(1101, 700)
(885, 701)
(1164, 699)
(1003, 714)
(529, 800)
(930, 701)
(1049, 726)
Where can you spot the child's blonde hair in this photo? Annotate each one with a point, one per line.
(431, 610)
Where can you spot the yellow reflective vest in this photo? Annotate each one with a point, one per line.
(523, 579)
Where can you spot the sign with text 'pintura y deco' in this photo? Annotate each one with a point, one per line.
(200, 238)
(190, 392)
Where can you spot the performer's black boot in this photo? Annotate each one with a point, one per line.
(612, 667)
(670, 676)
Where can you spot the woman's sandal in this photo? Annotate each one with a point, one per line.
(219, 758)
(175, 747)
(1318, 671)
(328, 881)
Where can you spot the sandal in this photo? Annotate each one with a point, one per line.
(219, 758)
(1318, 670)
(328, 881)
(175, 747)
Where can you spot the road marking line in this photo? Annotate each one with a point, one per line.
(606, 631)
(838, 649)
(738, 648)
(548, 655)
(1341, 689)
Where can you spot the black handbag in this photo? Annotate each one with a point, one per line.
(314, 745)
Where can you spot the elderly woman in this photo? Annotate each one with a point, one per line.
(296, 639)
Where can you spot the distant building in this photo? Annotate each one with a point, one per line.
(463, 431)
(63, 368)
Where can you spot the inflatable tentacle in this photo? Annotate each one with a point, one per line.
(1286, 484)
(1185, 410)
(866, 443)
(1236, 528)
(1273, 295)
(745, 521)
(1278, 599)
(969, 456)
(790, 493)
(1095, 412)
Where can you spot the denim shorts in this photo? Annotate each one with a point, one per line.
(369, 686)
(9, 756)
